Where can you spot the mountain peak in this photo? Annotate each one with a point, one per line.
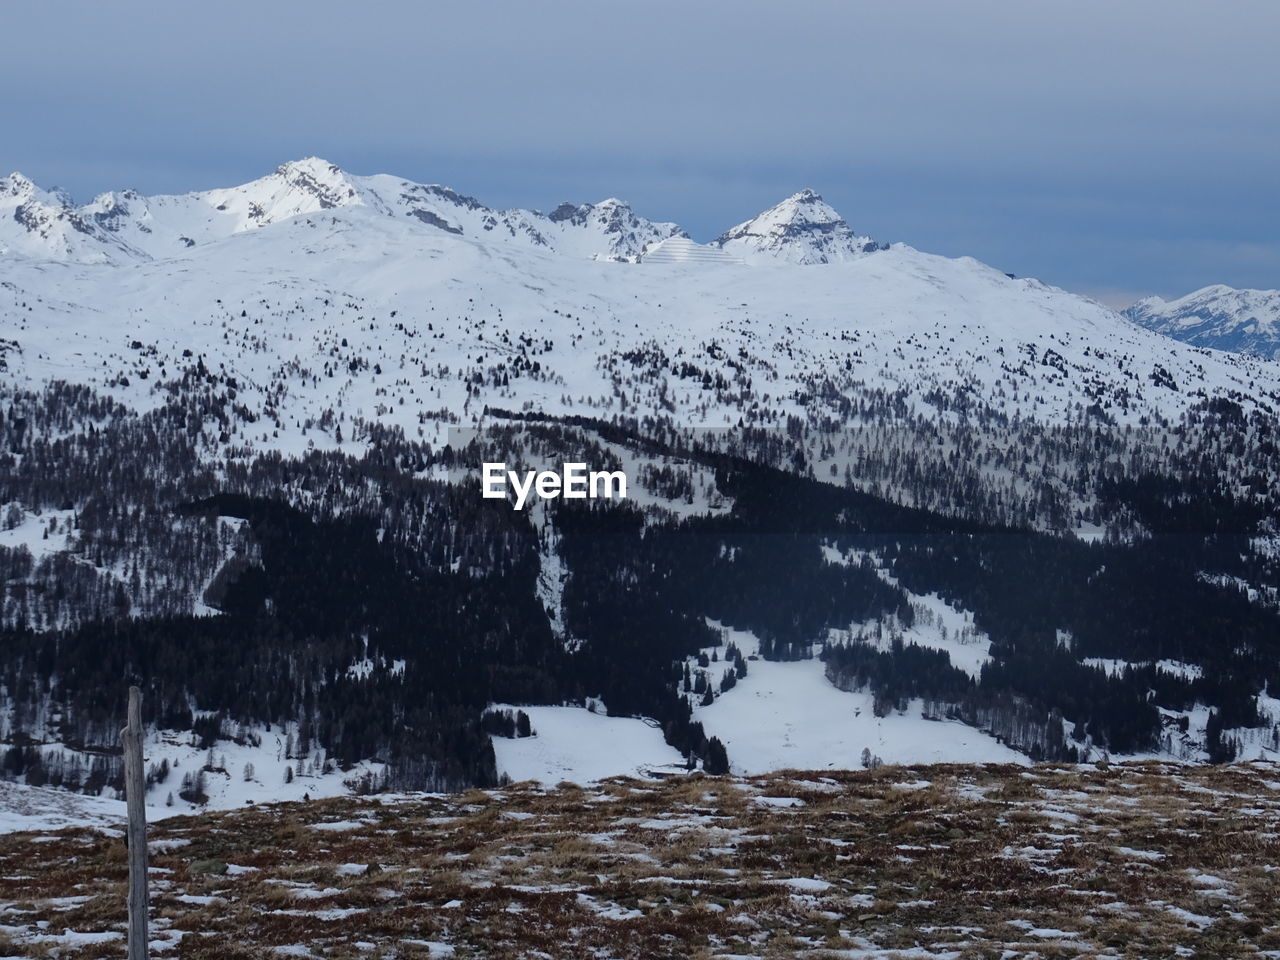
(16, 185)
(316, 178)
(297, 187)
(313, 168)
(579, 212)
(311, 163)
(807, 206)
(803, 228)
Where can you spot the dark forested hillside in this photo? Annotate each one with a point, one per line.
(380, 604)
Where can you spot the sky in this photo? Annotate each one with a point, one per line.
(1115, 149)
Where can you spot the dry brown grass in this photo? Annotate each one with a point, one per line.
(1137, 860)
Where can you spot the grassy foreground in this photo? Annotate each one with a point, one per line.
(1147, 860)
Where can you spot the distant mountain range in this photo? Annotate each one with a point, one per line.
(1219, 317)
(125, 225)
(315, 242)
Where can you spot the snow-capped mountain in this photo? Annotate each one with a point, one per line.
(268, 277)
(1221, 317)
(123, 226)
(801, 229)
(312, 270)
(313, 286)
(610, 228)
(44, 224)
(244, 412)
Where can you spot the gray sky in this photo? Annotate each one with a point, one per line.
(1115, 148)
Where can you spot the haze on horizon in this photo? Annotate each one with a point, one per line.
(1116, 150)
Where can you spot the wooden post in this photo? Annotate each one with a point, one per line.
(135, 794)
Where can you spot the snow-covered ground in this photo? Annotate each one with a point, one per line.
(23, 807)
(581, 746)
(259, 770)
(1113, 667)
(937, 625)
(781, 716)
(1260, 743)
(788, 715)
(42, 534)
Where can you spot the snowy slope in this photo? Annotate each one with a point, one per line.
(1221, 317)
(684, 250)
(581, 746)
(23, 807)
(936, 624)
(253, 765)
(788, 716)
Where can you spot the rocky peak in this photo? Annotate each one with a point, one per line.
(803, 228)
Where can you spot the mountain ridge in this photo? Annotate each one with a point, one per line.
(1217, 316)
(123, 225)
(900, 320)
